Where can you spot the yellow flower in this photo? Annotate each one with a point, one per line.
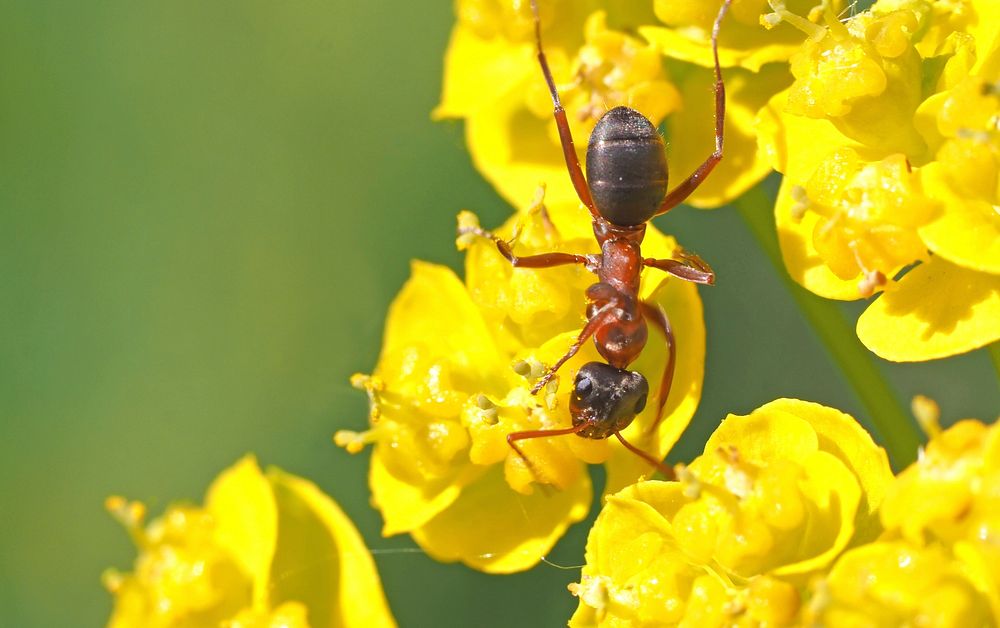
(897, 584)
(950, 498)
(493, 81)
(775, 498)
(247, 559)
(889, 145)
(938, 562)
(453, 380)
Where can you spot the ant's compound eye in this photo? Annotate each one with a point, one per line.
(640, 403)
(583, 385)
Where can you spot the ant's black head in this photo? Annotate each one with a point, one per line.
(626, 167)
(606, 399)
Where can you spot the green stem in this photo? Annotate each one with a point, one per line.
(897, 429)
(994, 351)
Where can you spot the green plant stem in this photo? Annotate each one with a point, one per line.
(898, 431)
(994, 350)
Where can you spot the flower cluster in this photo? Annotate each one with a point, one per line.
(889, 142)
(266, 551)
(884, 123)
(458, 362)
(792, 517)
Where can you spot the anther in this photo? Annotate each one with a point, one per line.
(782, 14)
(353, 442)
(870, 282)
(488, 410)
(801, 199)
(529, 369)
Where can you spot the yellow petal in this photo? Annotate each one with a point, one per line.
(765, 434)
(839, 434)
(511, 147)
(795, 144)
(494, 529)
(835, 494)
(472, 65)
(434, 310)
(321, 560)
(246, 520)
(405, 505)
(937, 310)
(967, 232)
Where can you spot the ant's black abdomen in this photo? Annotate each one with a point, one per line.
(626, 167)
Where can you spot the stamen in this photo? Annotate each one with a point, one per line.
(782, 14)
(928, 415)
(468, 230)
(870, 282)
(131, 515)
(373, 385)
(354, 442)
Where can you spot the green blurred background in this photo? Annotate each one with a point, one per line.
(205, 209)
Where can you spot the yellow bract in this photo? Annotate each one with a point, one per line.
(454, 379)
(775, 498)
(247, 559)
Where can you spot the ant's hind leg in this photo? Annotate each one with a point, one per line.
(655, 314)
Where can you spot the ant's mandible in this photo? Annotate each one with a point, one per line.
(625, 186)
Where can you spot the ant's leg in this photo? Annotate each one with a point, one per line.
(677, 195)
(658, 317)
(513, 436)
(565, 136)
(543, 260)
(592, 326)
(689, 267)
(664, 469)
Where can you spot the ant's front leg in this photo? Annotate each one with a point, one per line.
(603, 294)
(688, 266)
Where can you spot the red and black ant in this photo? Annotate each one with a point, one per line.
(625, 187)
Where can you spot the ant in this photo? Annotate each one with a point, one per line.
(625, 187)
